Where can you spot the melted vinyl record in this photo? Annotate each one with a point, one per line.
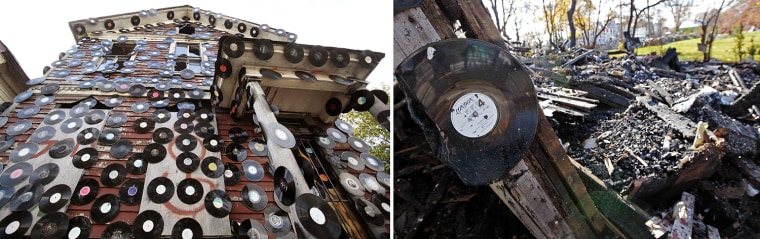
(276, 221)
(121, 149)
(481, 99)
(252, 229)
(52, 225)
(62, 148)
(44, 174)
(317, 217)
(231, 174)
(117, 230)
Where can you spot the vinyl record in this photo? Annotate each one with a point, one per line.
(55, 198)
(336, 135)
(187, 162)
(212, 167)
(19, 127)
(263, 49)
(6, 141)
(117, 230)
(140, 106)
(79, 110)
(213, 143)
(204, 130)
(307, 170)
(370, 184)
(238, 135)
(163, 135)
(163, 86)
(195, 93)
(384, 179)
(183, 127)
(344, 126)
(284, 186)
(3, 120)
(15, 224)
(50, 88)
(52, 225)
(362, 100)
(367, 59)
(109, 136)
(26, 197)
(325, 142)
(105, 209)
(94, 117)
(233, 46)
(86, 190)
(88, 136)
(186, 142)
(155, 95)
(21, 97)
(236, 152)
(252, 229)
(252, 170)
(160, 190)
(16, 174)
(177, 95)
(23, 152)
(317, 56)
(333, 107)
(306, 76)
(258, 147)
(281, 135)
(121, 149)
(270, 74)
(317, 217)
(130, 193)
(154, 152)
(85, 158)
(148, 224)
(144, 125)
(54, 117)
(28, 112)
(217, 203)
(372, 162)
(254, 197)
(44, 100)
(113, 101)
(71, 125)
(79, 228)
(358, 144)
(351, 184)
(116, 120)
(136, 165)
(369, 212)
(113, 175)
(45, 173)
(189, 191)
(161, 115)
(223, 67)
(187, 228)
(137, 90)
(382, 203)
(231, 174)
(276, 221)
(353, 161)
(5, 194)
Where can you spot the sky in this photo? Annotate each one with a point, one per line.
(35, 34)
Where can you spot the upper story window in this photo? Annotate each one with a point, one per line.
(188, 57)
(114, 60)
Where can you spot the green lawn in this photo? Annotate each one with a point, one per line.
(723, 48)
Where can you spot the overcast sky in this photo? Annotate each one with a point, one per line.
(35, 32)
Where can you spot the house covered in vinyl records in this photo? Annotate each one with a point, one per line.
(181, 122)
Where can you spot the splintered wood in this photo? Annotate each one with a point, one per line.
(683, 215)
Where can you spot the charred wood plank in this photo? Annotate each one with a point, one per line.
(669, 73)
(585, 106)
(749, 169)
(683, 213)
(740, 106)
(662, 92)
(431, 202)
(681, 123)
(741, 139)
(604, 96)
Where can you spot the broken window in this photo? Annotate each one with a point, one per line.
(188, 57)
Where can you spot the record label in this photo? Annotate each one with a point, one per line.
(474, 115)
(317, 215)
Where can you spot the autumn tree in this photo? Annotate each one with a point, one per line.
(554, 13)
(367, 128)
(709, 18)
(681, 10)
(634, 14)
(502, 12)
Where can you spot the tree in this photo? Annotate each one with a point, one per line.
(570, 12)
(709, 17)
(553, 13)
(499, 10)
(368, 129)
(633, 17)
(681, 10)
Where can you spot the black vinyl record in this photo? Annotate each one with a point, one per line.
(258, 147)
(358, 144)
(62, 148)
(187, 162)
(236, 152)
(339, 57)
(109, 136)
(325, 142)
(26, 197)
(144, 125)
(155, 95)
(233, 46)
(307, 170)
(213, 143)
(352, 160)
(183, 126)
(306, 76)
(372, 162)
(15, 224)
(85, 158)
(252, 170)
(163, 135)
(231, 174)
(94, 117)
(45, 173)
(284, 186)
(254, 197)
(276, 221)
(19, 127)
(336, 135)
(238, 135)
(52, 225)
(317, 56)
(116, 120)
(384, 179)
(79, 110)
(160, 190)
(187, 228)
(351, 184)
(5, 194)
(105, 209)
(54, 117)
(121, 149)
(117, 230)
(333, 107)
(154, 153)
(317, 217)
(218, 203)
(50, 88)
(263, 49)
(204, 129)
(189, 191)
(223, 67)
(270, 74)
(370, 184)
(88, 136)
(79, 228)
(16, 174)
(137, 90)
(148, 224)
(114, 174)
(186, 142)
(281, 135)
(130, 193)
(252, 229)
(369, 212)
(55, 198)
(28, 112)
(85, 191)
(382, 203)
(136, 165)
(204, 115)
(161, 115)
(113, 101)
(176, 94)
(212, 167)
(23, 152)
(362, 100)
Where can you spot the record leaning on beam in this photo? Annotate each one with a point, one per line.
(276, 221)
(384, 179)
(16, 174)
(238, 135)
(204, 129)
(353, 161)
(130, 193)
(44, 100)
(160, 190)
(26, 197)
(19, 127)
(163, 135)
(79, 228)
(15, 224)
(105, 208)
(85, 158)
(136, 165)
(217, 203)
(187, 162)
(372, 162)
(86, 190)
(109, 136)
(382, 203)
(258, 147)
(187, 228)
(317, 217)
(189, 191)
(52, 225)
(252, 170)
(23, 152)
(281, 135)
(45, 173)
(344, 126)
(148, 224)
(94, 116)
(28, 112)
(254, 197)
(351, 184)
(284, 186)
(231, 174)
(55, 198)
(480, 108)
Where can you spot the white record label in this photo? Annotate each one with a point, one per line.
(474, 115)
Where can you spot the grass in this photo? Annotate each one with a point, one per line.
(723, 48)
